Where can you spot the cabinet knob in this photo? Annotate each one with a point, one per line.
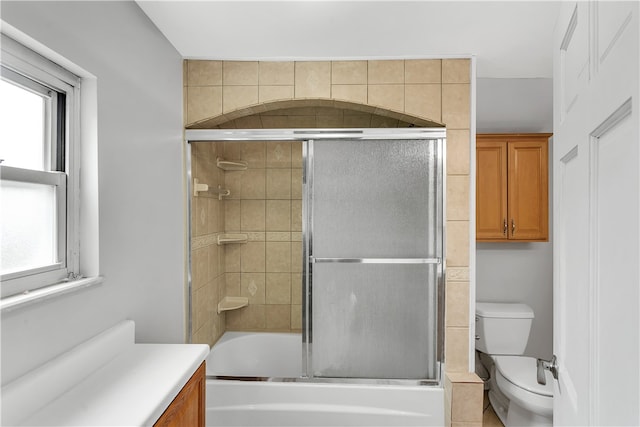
(513, 227)
(504, 227)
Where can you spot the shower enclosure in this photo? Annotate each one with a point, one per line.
(373, 250)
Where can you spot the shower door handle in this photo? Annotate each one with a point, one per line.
(315, 260)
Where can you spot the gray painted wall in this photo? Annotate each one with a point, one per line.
(518, 272)
(139, 122)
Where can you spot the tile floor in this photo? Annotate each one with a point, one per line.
(489, 417)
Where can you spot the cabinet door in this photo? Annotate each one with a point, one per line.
(188, 408)
(528, 193)
(491, 190)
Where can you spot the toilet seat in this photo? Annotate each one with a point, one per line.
(516, 377)
(522, 372)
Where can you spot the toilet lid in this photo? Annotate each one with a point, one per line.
(522, 372)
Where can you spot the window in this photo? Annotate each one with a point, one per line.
(38, 171)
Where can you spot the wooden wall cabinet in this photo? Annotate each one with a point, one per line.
(512, 196)
(188, 408)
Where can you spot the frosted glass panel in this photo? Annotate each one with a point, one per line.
(375, 234)
(374, 321)
(28, 225)
(374, 199)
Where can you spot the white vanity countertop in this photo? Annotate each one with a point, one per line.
(133, 389)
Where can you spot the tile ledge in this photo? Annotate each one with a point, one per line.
(463, 377)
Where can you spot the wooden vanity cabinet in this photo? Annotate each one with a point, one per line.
(188, 408)
(512, 196)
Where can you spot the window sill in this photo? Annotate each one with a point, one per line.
(38, 295)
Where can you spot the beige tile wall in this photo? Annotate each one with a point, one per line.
(207, 259)
(463, 399)
(425, 89)
(431, 90)
(435, 90)
(266, 204)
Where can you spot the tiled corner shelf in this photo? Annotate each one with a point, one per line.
(225, 239)
(229, 165)
(232, 303)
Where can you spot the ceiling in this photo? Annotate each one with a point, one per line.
(511, 39)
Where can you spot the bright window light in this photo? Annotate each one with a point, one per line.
(22, 127)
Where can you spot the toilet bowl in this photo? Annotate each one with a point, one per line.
(502, 334)
(530, 403)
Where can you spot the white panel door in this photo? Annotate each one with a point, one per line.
(597, 214)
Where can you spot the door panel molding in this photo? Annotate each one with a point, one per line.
(568, 312)
(610, 23)
(574, 57)
(614, 175)
(613, 119)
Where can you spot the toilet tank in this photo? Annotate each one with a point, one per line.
(502, 328)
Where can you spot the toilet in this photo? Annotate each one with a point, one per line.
(502, 332)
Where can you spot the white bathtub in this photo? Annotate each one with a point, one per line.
(275, 403)
(249, 354)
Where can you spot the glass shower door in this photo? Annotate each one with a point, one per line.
(374, 246)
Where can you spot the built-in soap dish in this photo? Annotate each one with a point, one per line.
(232, 303)
(227, 238)
(229, 165)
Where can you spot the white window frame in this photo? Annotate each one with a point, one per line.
(25, 62)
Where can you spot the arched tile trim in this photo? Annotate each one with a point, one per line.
(258, 109)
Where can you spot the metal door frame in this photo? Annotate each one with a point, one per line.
(303, 135)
